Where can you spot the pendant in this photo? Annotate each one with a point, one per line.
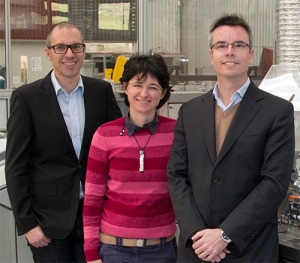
(142, 161)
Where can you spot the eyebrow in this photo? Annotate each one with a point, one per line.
(61, 44)
(141, 82)
(237, 41)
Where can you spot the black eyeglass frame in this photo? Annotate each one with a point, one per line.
(68, 46)
(232, 44)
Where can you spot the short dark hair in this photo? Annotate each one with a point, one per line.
(231, 20)
(141, 66)
(62, 25)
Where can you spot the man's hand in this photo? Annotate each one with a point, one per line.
(209, 246)
(37, 238)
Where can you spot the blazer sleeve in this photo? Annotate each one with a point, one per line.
(187, 214)
(17, 164)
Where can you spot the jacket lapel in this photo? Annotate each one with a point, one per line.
(206, 111)
(50, 100)
(247, 110)
(89, 105)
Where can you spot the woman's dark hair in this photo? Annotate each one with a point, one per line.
(141, 66)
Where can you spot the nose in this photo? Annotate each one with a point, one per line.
(230, 50)
(69, 50)
(144, 91)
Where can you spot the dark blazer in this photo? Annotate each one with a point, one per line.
(241, 189)
(42, 169)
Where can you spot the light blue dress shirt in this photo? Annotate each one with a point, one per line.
(72, 108)
(235, 98)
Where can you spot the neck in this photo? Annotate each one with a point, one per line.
(141, 119)
(226, 88)
(68, 84)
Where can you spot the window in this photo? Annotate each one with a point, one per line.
(103, 20)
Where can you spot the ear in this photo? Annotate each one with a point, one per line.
(48, 53)
(210, 52)
(84, 51)
(164, 91)
(251, 55)
(124, 86)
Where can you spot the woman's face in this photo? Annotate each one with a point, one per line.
(144, 94)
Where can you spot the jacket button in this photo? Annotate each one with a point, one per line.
(76, 193)
(215, 179)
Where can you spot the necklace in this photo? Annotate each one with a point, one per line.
(142, 153)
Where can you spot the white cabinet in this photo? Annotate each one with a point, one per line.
(4, 107)
(13, 248)
(3, 114)
(7, 233)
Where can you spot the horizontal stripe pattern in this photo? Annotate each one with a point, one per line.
(119, 199)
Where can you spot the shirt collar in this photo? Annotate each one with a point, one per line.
(235, 98)
(131, 128)
(241, 91)
(57, 86)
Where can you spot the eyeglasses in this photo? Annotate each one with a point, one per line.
(151, 88)
(222, 46)
(62, 49)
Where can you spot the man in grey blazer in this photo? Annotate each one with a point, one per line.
(231, 160)
(50, 128)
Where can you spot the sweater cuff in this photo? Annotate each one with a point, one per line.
(91, 255)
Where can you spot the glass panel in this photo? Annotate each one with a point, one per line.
(181, 29)
(114, 16)
(178, 30)
(29, 20)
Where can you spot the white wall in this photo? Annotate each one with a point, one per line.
(31, 49)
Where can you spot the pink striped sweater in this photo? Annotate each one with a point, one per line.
(120, 200)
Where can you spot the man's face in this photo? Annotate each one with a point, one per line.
(231, 62)
(66, 65)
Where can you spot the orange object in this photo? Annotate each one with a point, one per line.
(294, 197)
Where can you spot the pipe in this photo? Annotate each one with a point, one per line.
(7, 44)
(288, 32)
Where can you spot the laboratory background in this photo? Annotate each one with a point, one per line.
(114, 30)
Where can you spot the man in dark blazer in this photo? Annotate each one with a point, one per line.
(231, 160)
(51, 124)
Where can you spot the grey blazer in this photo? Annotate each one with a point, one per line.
(42, 169)
(241, 189)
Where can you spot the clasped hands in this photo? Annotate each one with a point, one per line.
(209, 246)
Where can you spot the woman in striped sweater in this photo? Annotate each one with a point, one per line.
(128, 215)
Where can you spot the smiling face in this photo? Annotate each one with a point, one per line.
(231, 63)
(66, 66)
(143, 95)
